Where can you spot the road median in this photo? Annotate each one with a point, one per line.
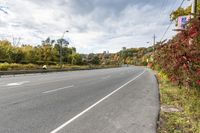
(17, 72)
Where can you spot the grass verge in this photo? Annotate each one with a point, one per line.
(180, 108)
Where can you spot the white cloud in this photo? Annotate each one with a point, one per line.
(94, 25)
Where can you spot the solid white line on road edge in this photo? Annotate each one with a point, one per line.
(58, 89)
(92, 106)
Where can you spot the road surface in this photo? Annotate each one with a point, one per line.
(117, 100)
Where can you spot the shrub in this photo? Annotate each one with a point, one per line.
(4, 66)
(179, 58)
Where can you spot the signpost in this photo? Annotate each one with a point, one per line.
(182, 21)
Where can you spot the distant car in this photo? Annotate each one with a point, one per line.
(44, 67)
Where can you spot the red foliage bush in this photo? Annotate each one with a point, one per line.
(179, 58)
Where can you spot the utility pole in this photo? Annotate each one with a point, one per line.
(194, 8)
(154, 42)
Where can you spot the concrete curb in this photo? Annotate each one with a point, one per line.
(18, 72)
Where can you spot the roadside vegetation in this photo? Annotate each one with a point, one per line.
(180, 108)
(177, 62)
(25, 57)
(179, 58)
(28, 57)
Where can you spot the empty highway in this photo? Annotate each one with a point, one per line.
(117, 100)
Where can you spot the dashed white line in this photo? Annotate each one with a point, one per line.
(58, 89)
(92, 106)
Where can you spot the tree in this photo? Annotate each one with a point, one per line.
(6, 51)
(95, 60)
(46, 53)
(63, 42)
(183, 11)
(180, 12)
(76, 59)
(17, 55)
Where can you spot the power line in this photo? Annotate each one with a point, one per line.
(162, 11)
(163, 7)
(173, 5)
(169, 8)
(170, 23)
(3, 9)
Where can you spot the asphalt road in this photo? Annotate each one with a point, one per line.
(118, 100)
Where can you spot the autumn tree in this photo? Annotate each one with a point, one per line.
(183, 11)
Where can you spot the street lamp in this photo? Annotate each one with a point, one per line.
(61, 41)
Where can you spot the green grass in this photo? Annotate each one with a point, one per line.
(15, 66)
(186, 121)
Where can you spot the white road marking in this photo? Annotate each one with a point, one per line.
(17, 83)
(92, 106)
(58, 89)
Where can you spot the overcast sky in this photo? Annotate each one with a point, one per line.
(94, 25)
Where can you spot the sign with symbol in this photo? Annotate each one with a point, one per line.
(182, 21)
